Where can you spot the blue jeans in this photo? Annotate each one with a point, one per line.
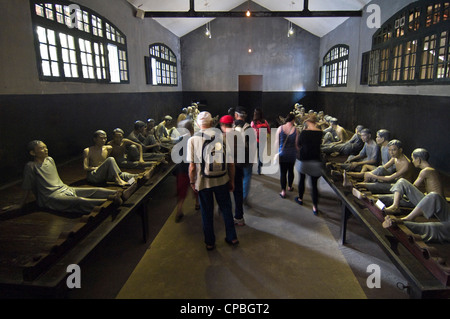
(247, 179)
(238, 192)
(206, 199)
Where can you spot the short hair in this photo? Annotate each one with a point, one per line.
(384, 134)
(151, 120)
(359, 128)
(366, 131)
(32, 145)
(241, 111)
(138, 124)
(118, 130)
(395, 143)
(334, 120)
(98, 133)
(421, 153)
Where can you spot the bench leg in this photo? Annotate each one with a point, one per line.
(344, 218)
(144, 220)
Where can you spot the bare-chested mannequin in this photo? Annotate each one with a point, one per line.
(404, 169)
(336, 134)
(119, 151)
(99, 166)
(428, 179)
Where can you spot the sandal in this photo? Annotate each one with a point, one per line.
(282, 196)
(298, 200)
(210, 247)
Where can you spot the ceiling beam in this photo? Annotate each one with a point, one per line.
(305, 13)
(255, 14)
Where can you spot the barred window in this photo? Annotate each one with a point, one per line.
(412, 47)
(162, 66)
(74, 43)
(335, 66)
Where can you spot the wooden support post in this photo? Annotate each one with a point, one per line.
(344, 218)
(144, 220)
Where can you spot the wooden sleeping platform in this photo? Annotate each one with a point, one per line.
(426, 266)
(37, 245)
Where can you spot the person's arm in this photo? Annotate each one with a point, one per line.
(389, 163)
(297, 138)
(86, 165)
(421, 178)
(277, 139)
(193, 175)
(138, 145)
(360, 163)
(392, 177)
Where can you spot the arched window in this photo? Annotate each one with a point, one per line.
(74, 43)
(162, 66)
(335, 66)
(412, 47)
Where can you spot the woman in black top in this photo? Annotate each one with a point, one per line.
(309, 160)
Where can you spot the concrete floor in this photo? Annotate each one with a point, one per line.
(285, 252)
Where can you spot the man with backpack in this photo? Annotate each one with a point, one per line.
(211, 174)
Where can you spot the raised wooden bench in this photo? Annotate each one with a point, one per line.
(424, 266)
(37, 245)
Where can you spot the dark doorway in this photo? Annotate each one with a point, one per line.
(250, 91)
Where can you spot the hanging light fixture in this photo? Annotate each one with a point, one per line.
(208, 30)
(290, 25)
(290, 29)
(248, 13)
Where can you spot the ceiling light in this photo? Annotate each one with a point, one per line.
(248, 13)
(290, 30)
(208, 30)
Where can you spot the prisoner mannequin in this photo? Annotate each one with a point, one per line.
(119, 151)
(41, 177)
(428, 177)
(99, 166)
(403, 165)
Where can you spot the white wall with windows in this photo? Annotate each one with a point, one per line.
(103, 52)
(394, 66)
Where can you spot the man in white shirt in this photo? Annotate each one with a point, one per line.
(211, 176)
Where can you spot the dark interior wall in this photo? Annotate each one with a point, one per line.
(415, 120)
(66, 122)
